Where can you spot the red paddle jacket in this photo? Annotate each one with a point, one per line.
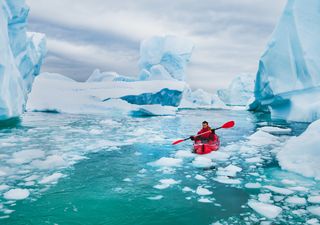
(208, 136)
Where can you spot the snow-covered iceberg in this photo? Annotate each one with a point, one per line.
(164, 58)
(288, 80)
(98, 76)
(21, 56)
(239, 91)
(301, 154)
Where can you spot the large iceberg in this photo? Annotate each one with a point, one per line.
(239, 91)
(164, 58)
(21, 55)
(288, 79)
(301, 154)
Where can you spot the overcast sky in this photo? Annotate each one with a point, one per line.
(229, 35)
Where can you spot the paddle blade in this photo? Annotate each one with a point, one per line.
(177, 142)
(228, 124)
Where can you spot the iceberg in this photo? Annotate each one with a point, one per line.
(288, 75)
(21, 56)
(239, 91)
(98, 76)
(301, 154)
(164, 58)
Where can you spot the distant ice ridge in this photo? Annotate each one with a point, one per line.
(239, 91)
(301, 154)
(57, 93)
(288, 79)
(164, 58)
(21, 56)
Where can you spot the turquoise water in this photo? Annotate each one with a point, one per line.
(108, 178)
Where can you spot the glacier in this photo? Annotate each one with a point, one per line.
(239, 92)
(21, 56)
(288, 81)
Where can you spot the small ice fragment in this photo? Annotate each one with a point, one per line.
(252, 185)
(204, 200)
(127, 180)
(17, 194)
(203, 191)
(161, 186)
(314, 199)
(187, 189)
(278, 190)
(157, 197)
(168, 162)
(51, 179)
(296, 200)
(314, 210)
(200, 177)
(268, 210)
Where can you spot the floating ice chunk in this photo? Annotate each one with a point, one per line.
(200, 177)
(203, 191)
(296, 200)
(161, 186)
(31, 178)
(26, 156)
(204, 200)
(252, 185)
(187, 189)
(4, 187)
(301, 189)
(313, 221)
(169, 181)
(276, 130)
(202, 162)
(268, 210)
(157, 197)
(218, 156)
(314, 199)
(184, 154)
(261, 138)
(17, 194)
(167, 162)
(230, 170)
(51, 162)
(127, 180)
(314, 210)
(265, 198)
(254, 160)
(227, 180)
(279, 190)
(278, 198)
(51, 179)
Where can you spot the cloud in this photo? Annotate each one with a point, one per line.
(229, 35)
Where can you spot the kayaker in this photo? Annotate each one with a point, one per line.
(204, 137)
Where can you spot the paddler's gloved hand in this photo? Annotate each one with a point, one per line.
(192, 138)
(213, 131)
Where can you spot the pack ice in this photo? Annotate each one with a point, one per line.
(21, 55)
(288, 80)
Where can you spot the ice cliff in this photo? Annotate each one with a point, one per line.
(21, 56)
(288, 78)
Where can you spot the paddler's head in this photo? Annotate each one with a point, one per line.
(205, 124)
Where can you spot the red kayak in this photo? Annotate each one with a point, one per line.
(205, 148)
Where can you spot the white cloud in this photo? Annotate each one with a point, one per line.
(229, 35)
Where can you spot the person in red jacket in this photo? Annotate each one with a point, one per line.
(208, 136)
